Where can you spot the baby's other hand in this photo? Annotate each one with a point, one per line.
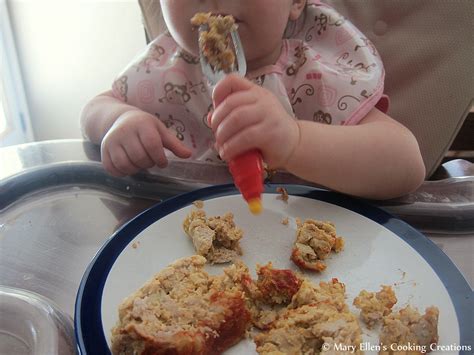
(136, 141)
(247, 116)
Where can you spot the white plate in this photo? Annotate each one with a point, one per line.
(379, 250)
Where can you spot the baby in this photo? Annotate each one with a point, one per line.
(312, 101)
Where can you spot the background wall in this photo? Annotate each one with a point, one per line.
(69, 51)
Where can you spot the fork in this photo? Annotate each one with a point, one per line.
(247, 168)
(214, 76)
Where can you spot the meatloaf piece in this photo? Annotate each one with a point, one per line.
(316, 320)
(182, 310)
(216, 238)
(314, 242)
(411, 329)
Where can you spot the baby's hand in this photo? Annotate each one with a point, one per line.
(247, 116)
(135, 141)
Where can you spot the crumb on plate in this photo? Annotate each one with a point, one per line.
(198, 204)
(283, 194)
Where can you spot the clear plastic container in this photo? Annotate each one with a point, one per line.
(31, 324)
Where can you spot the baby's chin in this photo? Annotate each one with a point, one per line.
(188, 40)
(192, 49)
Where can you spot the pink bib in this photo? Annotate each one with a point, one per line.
(328, 72)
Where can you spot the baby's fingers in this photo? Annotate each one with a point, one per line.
(230, 104)
(109, 167)
(120, 162)
(241, 142)
(230, 84)
(151, 141)
(238, 120)
(137, 153)
(171, 142)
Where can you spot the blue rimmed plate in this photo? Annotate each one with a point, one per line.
(379, 250)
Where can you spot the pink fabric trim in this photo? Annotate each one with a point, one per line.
(364, 109)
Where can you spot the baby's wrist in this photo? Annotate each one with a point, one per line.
(295, 142)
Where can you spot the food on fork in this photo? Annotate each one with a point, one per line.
(408, 328)
(182, 310)
(374, 306)
(314, 242)
(214, 41)
(216, 238)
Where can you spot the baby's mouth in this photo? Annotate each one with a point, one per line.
(236, 19)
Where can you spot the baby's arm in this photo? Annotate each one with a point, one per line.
(130, 139)
(378, 158)
(99, 114)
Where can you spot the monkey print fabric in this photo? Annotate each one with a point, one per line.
(328, 72)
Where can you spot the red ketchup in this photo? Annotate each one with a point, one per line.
(247, 171)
